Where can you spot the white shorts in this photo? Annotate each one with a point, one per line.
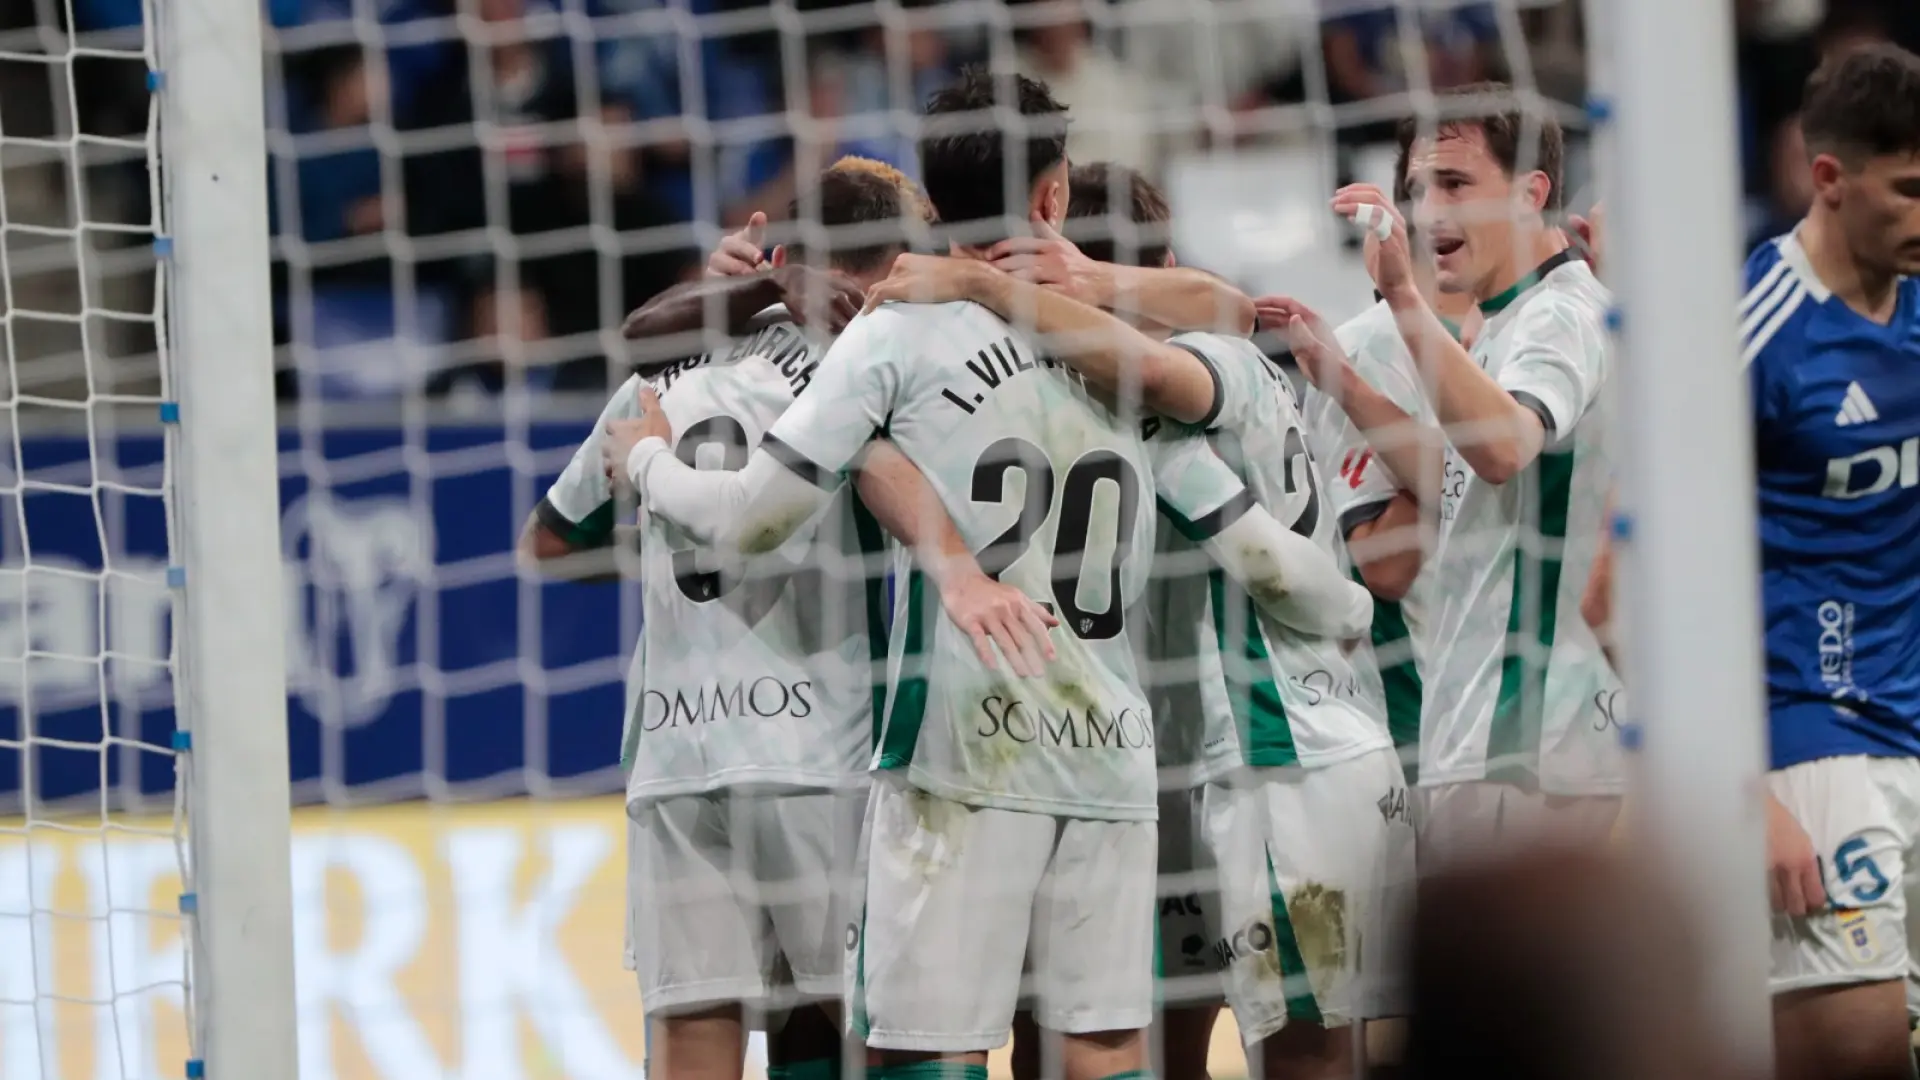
(961, 899)
(1863, 816)
(1476, 818)
(730, 893)
(1190, 963)
(1316, 884)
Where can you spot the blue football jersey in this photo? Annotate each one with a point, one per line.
(1836, 400)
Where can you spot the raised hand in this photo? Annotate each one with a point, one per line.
(823, 299)
(1590, 234)
(623, 435)
(1315, 348)
(740, 252)
(1050, 259)
(929, 279)
(1389, 260)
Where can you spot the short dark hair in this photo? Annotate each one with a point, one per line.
(1503, 127)
(1864, 104)
(966, 152)
(857, 191)
(1090, 215)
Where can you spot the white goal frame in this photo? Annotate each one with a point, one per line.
(1685, 528)
(231, 693)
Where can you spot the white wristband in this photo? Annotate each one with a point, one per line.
(640, 457)
(1368, 216)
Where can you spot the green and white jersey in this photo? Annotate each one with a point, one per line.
(754, 672)
(1360, 490)
(1054, 491)
(1260, 695)
(1518, 688)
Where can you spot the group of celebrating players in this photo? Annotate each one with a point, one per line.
(1048, 636)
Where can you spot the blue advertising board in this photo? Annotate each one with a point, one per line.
(419, 660)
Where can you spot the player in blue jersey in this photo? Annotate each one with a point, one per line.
(1830, 332)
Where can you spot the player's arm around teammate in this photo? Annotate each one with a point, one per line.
(1292, 579)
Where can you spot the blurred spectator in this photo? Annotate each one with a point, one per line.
(1201, 54)
(1109, 105)
(535, 168)
(1370, 54)
(339, 190)
(877, 102)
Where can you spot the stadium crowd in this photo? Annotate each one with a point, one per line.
(468, 188)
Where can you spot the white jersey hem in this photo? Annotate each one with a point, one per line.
(781, 781)
(1211, 771)
(1479, 776)
(1057, 808)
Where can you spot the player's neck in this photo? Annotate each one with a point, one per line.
(1870, 291)
(1522, 269)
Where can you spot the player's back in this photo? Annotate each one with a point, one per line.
(752, 672)
(1267, 697)
(1837, 431)
(1052, 490)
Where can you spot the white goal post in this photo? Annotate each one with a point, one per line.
(232, 697)
(1686, 518)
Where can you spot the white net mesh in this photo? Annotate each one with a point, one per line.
(468, 199)
(93, 919)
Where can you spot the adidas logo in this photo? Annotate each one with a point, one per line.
(1855, 408)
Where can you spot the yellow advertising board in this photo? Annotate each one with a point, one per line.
(477, 942)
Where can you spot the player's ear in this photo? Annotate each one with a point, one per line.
(1829, 176)
(1050, 200)
(779, 256)
(1538, 190)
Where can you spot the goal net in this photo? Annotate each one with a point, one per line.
(468, 197)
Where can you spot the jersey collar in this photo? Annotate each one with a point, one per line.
(1497, 304)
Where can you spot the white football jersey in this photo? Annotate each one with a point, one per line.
(1518, 687)
(1359, 489)
(1262, 695)
(1054, 491)
(755, 672)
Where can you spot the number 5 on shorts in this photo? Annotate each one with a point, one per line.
(1850, 860)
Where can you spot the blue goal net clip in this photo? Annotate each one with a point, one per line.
(181, 741)
(196, 1069)
(176, 577)
(189, 903)
(169, 412)
(156, 81)
(163, 247)
(1630, 737)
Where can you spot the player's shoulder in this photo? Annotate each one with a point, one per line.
(1222, 350)
(1571, 292)
(1782, 294)
(958, 316)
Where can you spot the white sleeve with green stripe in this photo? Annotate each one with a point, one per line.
(1292, 579)
(1559, 361)
(578, 507)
